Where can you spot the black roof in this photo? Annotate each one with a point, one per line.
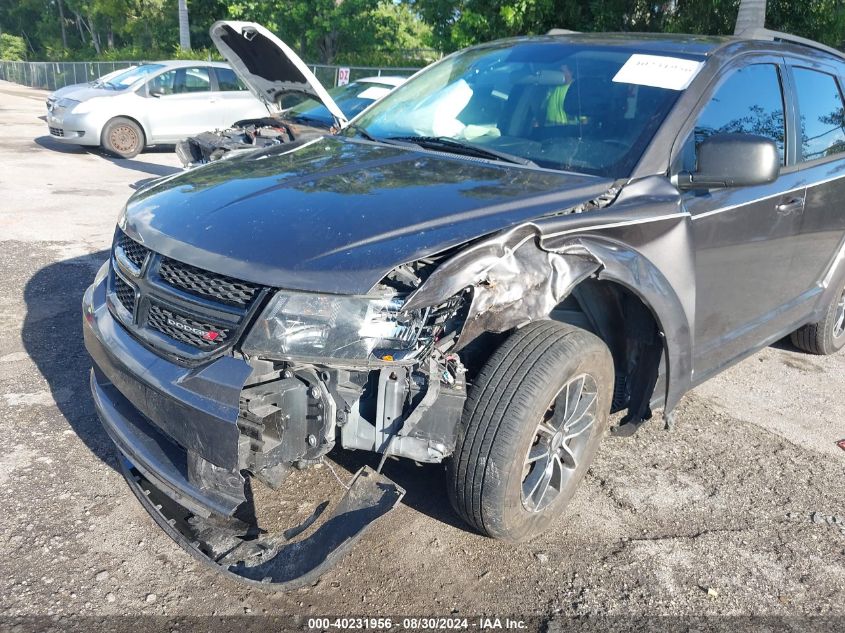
(654, 42)
(703, 45)
(681, 44)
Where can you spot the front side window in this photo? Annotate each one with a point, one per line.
(561, 105)
(821, 110)
(750, 101)
(163, 84)
(180, 81)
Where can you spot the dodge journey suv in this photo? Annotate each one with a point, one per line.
(525, 237)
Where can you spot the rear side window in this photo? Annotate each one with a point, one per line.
(821, 110)
(750, 101)
(227, 80)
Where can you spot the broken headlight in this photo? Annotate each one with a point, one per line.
(300, 325)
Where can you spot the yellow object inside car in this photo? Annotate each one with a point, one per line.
(555, 114)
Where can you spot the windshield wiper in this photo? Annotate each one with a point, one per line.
(444, 143)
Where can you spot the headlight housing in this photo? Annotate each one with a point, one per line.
(67, 104)
(318, 327)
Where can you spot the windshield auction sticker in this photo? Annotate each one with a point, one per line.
(657, 71)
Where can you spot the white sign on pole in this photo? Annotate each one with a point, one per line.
(342, 76)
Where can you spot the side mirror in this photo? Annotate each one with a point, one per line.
(155, 92)
(733, 160)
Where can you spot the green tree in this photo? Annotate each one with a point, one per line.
(12, 47)
(821, 20)
(459, 23)
(711, 17)
(328, 31)
(377, 31)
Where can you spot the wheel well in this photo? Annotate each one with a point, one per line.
(123, 116)
(622, 320)
(629, 328)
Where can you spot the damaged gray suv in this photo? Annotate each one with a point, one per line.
(525, 237)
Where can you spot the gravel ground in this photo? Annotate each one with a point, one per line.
(737, 512)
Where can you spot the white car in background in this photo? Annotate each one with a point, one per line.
(275, 74)
(158, 103)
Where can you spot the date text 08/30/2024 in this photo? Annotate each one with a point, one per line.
(410, 623)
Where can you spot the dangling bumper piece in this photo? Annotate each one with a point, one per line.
(236, 546)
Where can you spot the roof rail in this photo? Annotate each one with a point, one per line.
(561, 32)
(775, 36)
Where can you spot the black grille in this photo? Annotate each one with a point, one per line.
(57, 131)
(125, 294)
(155, 290)
(159, 316)
(207, 284)
(134, 252)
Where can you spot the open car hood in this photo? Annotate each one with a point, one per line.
(268, 66)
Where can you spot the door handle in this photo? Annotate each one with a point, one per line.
(794, 205)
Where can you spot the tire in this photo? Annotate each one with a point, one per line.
(122, 137)
(516, 389)
(828, 335)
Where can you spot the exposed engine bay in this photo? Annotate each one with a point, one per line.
(405, 401)
(207, 147)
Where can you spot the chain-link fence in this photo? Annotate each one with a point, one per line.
(54, 75)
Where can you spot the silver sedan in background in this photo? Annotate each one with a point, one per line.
(157, 103)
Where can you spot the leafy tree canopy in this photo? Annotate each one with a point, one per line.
(396, 32)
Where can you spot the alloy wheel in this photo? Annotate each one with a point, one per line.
(559, 442)
(839, 319)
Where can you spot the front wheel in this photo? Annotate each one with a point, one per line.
(533, 421)
(122, 137)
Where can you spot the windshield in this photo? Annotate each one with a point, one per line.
(351, 99)
(109, 76)
(559, 105)
(126, 79)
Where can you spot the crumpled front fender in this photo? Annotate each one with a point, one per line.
(513, 280)
(642, 241)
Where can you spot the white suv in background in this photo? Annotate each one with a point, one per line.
(158, 103)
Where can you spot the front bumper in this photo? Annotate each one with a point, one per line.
(70, 128)
(177, 425)
(163, 419)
